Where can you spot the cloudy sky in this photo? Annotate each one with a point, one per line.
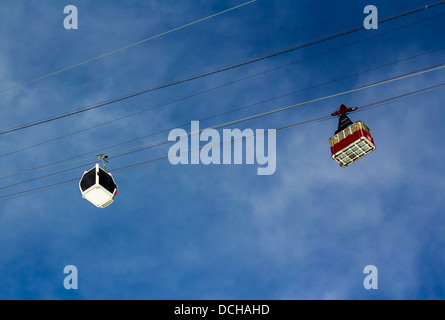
(221, 231)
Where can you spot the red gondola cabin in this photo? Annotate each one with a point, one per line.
(351, 141)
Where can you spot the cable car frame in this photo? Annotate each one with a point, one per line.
(351, 141)
(98, 187)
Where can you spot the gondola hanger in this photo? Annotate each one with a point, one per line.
(104, 159)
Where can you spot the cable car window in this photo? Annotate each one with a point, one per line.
(106, 181)
(354, 128)
(367, 129)
(341, 135)
(88, 180)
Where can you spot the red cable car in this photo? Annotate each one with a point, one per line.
(351, 141)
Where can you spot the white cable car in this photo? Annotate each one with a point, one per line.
(98, 187)
(351, 141)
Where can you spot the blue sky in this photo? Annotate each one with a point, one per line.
(222, 232)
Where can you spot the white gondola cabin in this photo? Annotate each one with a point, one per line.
(351, 141)
(98, 187)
